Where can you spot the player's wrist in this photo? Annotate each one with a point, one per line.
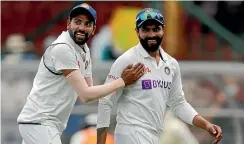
(200, 122)
(122, 82)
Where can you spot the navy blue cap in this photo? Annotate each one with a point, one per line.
(149, 14)
(80, 8)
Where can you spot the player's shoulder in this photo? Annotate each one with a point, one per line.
(128, 56)
(60, 51)
(171, 60)
(61, 48)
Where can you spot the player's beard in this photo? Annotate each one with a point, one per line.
(151, 47)
(78, 41)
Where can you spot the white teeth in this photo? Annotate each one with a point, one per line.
(80, 34)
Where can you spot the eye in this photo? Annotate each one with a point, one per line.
(156, 29)
(145, 29)
(88, 24)
(78, 22)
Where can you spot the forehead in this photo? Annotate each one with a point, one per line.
(151, 24)
(82, 17)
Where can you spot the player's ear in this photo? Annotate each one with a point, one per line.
(163, 27)
(68, 23)
(94, 29)
(137, 31)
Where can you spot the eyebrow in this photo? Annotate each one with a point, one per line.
(77, 19)
(146, 27)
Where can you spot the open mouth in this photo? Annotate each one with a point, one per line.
(80, 35)
(152, 41)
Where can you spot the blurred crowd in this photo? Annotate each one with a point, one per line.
(217, 92)
(37, 24)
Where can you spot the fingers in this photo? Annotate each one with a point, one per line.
(137, 68)
(140, 72)
(216, 140)
(219, 131)
(212, 130)
(129, 66)
(218, 135)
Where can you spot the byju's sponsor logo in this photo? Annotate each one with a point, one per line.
(149, 84)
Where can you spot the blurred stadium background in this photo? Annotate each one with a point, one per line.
(206, 37)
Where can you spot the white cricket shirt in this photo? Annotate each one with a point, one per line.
(51, 98)
(144, 103)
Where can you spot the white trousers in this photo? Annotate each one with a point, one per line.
(39, 134)
(130, 134)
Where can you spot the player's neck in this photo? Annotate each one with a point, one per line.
(154, 54)
(82, 46)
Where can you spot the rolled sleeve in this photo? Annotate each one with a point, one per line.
(64, 57)
(177, 101)
(106, 104)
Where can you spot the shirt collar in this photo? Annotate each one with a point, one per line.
(145, 54)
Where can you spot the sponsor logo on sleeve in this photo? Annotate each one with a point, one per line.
(112, 77)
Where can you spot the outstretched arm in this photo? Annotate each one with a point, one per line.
(213, 129)
(77, 81)
(185, 111)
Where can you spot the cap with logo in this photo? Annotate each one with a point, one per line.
(149, 14)
(81, 8)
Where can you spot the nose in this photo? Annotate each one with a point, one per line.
(151, 34)
(81, 27)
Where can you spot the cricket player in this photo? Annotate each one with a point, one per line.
(64, 74)
(141, 106)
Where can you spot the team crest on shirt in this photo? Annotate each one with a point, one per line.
(83, 56)
(79, 64)
(86, 64)
(167, 70)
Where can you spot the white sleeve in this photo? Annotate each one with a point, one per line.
(63, 57)
(177, 101)
(106, 104)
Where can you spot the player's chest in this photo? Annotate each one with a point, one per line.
(158, 77)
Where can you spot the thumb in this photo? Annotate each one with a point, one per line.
(212, 130)
(129, 66)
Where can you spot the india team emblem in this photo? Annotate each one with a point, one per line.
(148, 10)
(85, 6)
(83, 56)
(167, 70)
(86, 64)
(79, 64)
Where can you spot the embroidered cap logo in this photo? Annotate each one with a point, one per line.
(85, 6)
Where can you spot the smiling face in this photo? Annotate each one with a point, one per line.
(150, 35)
(81, 28)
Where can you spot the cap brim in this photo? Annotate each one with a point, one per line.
(148, 20)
